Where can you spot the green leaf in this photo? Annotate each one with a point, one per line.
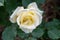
(26, 2)
(53, 24)
(30, 38)
(53, 29)
(4, 16)
(11, 5)
(21, 34)
(38, 32)
(39, 1)
(1, 2)
(54, 39)
(9, 33)
(54, 34)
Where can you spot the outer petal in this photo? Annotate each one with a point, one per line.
(14, 16)
(38, 18)
(29, 29)
(34, 6)
(26, 30)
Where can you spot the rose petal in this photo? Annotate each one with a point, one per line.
(26, 30)
(13, 17)
(25, 26)
(38, 18)
(34, 6)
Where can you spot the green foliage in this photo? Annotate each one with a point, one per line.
(26, 2)
(31, 38)
(38, 32)
(53, 29)
(9, 33)
(39, 1)
(4, 16)
(55, 23)
(54, 34)
(21, 34)
(11, 5)
(1, 2)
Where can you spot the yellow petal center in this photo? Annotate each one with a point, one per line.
(27, 18)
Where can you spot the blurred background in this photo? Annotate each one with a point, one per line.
(51, 17)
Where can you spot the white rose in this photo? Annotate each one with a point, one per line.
(27, 19)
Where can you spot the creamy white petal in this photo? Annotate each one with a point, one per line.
(26, 30)
(14, 16)
(25, 26)
(34, 6)
(38, 18)
(19, 17)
